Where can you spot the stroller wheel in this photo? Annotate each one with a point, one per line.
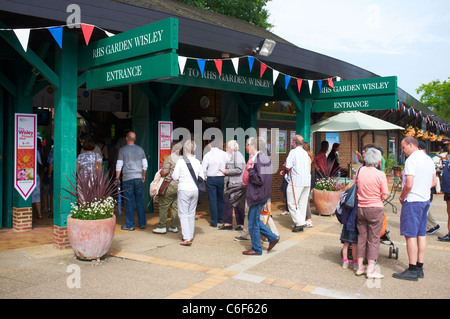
(396, 253)
(390, 252)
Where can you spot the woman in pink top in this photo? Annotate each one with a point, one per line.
(372, 190)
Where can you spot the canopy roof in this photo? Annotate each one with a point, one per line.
(353, 121)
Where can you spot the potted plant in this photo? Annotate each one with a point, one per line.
(397, 169)
(390, 162)
(327, 192)
(91, 224)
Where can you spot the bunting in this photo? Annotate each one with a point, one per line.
(23, 34)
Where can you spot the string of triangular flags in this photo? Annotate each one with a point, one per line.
(410, 111)
(23, 34)
(251, 60)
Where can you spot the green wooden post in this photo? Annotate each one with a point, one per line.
(22, 104)
(2, 110)
(65, 125)
(303, 120)
(8, 165)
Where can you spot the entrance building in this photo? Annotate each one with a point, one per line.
(164, 64)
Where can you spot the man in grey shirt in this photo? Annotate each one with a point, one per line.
(133, 163)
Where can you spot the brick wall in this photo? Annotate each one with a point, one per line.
(22, 219)
(60, 237)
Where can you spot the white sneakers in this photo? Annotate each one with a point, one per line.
(160, 230)
(163, 230)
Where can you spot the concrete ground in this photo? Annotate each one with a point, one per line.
(141, 264)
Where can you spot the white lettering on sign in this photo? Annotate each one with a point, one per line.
(229, 78)
(132, 71)
(350, 105)
(356, 87)
(128, 44)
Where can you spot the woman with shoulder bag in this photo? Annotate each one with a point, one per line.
(188, 190)
(233, 172)
(372, 190)
(167, 196)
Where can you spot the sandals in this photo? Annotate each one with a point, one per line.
(285, 213)
(186, 243)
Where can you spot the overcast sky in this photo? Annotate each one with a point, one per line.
(408, 39)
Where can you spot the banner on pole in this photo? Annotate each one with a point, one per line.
(25, 134)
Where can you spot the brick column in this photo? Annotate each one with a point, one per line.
(60, 238)
(22, 219)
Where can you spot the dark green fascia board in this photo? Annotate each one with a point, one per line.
(30, 57)
(8, 85)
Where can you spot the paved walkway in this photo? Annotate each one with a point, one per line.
(141, 264)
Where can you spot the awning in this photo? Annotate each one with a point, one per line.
(353, 121)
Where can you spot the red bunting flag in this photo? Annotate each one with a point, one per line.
(330, 83)
(218, 66)
(87, 31)
(263, 69)
(299, 84)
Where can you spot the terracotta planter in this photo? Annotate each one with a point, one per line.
(325, 201)
(90, 239)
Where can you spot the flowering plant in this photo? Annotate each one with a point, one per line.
(94, 195)
(101, 209)
(329, 184)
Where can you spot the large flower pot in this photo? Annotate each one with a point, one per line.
(90, 239)
(325, 201)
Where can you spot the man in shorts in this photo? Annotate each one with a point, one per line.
(419, 176)
(445, 187)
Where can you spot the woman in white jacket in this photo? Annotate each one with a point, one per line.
(187, 191)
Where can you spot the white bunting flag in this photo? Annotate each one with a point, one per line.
(182, 63)
(311, 83)
(275, 76)
(235, 64)
(23, 35)
(109, 34)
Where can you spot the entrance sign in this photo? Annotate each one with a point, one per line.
(245, 81)
(165, 130)
(133, 71)
(25, 134)
(148, 39)
(357, 95)
(363, 103)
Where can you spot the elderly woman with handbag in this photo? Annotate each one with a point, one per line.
(372, 190)
(233, 173)
(187, 171)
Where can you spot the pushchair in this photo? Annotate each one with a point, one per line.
(384, 239)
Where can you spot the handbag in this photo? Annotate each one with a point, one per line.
(199, 181)
(163, 188)
(351, 198)
(264, 214)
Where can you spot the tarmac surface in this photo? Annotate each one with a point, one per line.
(144, 265)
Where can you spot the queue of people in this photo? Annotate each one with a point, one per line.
(234, 185)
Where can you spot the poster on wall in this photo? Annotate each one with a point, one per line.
(282, 142)
(164, 141)
(25, 132)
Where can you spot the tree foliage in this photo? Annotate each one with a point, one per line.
(436, 96)
(247, 10)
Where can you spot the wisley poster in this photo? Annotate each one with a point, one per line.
(25, 153)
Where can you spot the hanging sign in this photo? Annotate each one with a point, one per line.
(133, 71)
(164, 141)
(25, 147)
(151, 38)
(356, 95)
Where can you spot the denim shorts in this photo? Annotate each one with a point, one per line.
(413, 219)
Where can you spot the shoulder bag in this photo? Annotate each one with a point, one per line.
(199, 181)
(351, 198)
